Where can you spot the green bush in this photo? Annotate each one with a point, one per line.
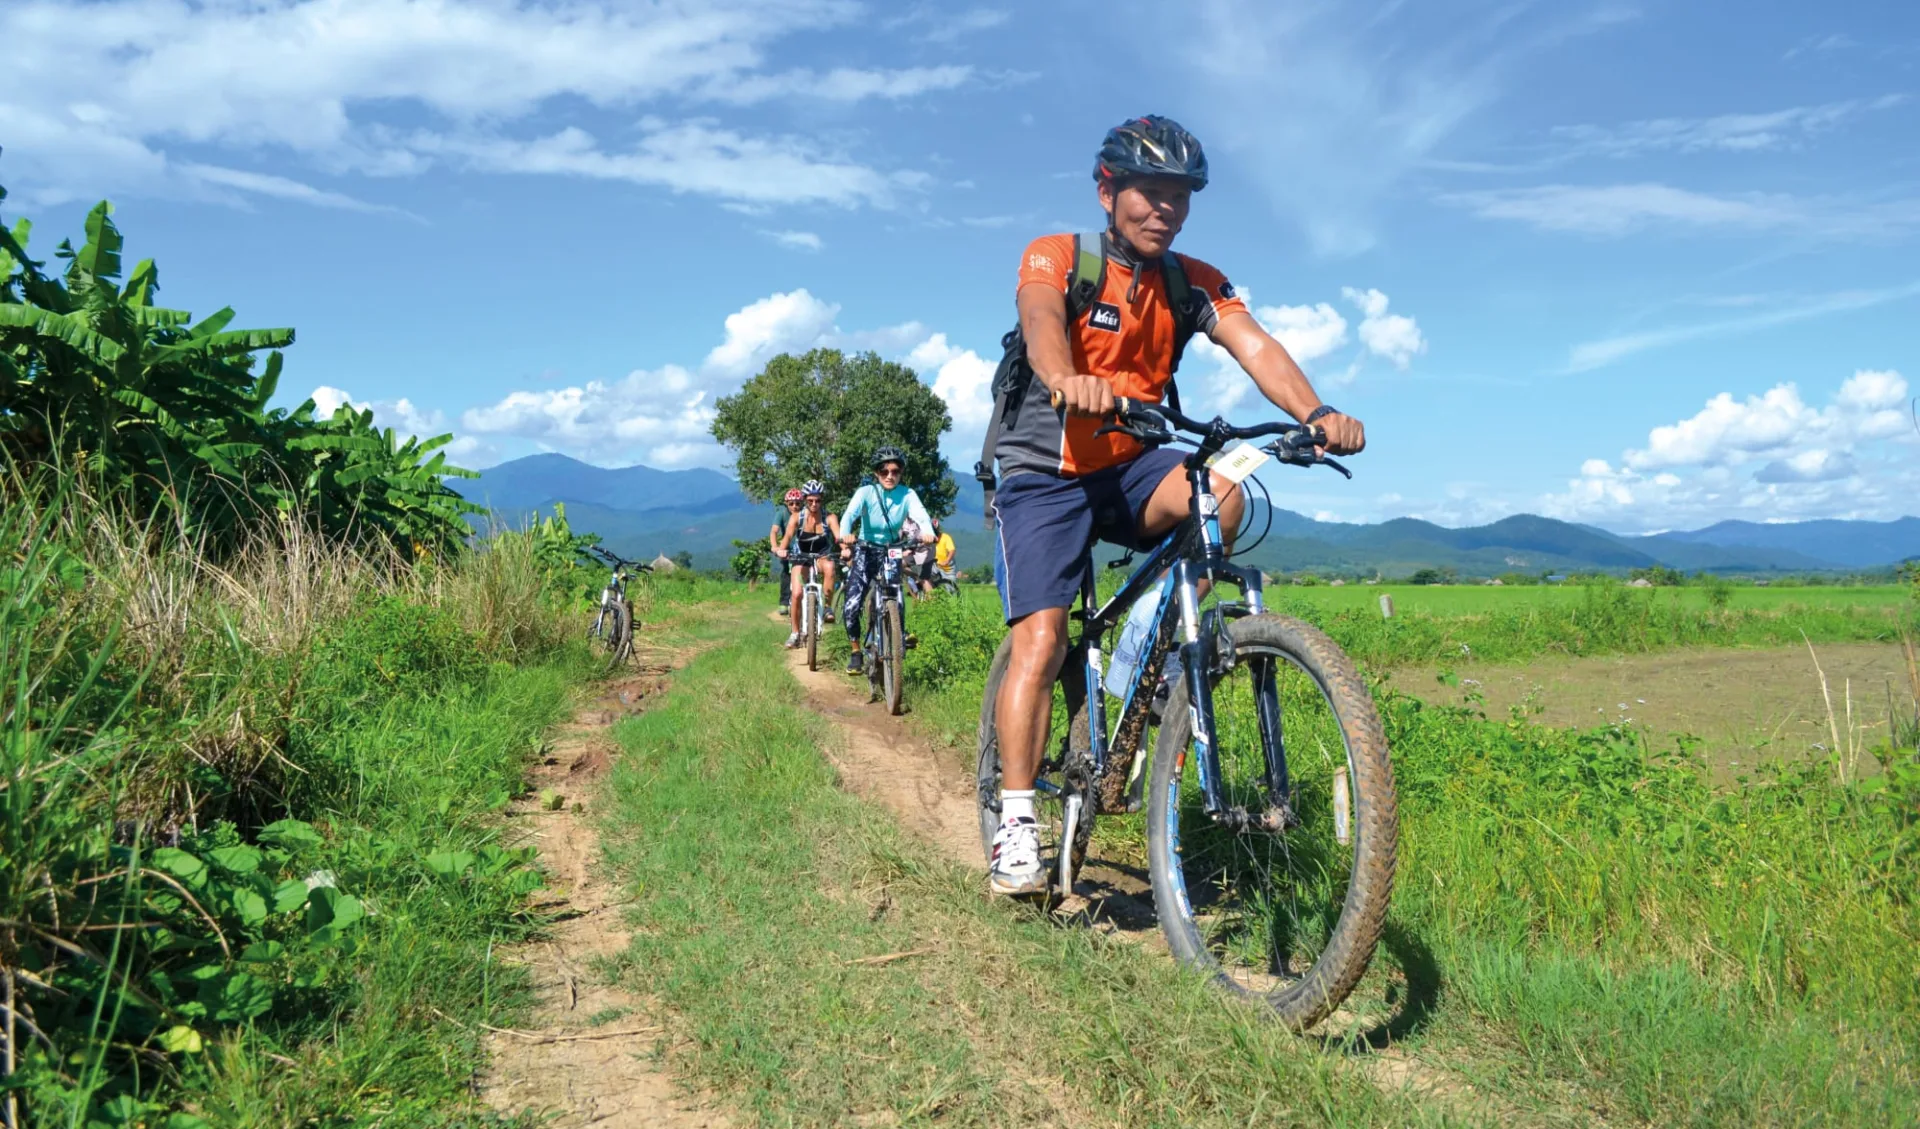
(395, 647)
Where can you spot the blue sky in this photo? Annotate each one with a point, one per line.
(1644, 266)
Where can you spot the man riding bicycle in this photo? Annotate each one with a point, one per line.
(1063, 484)
(881, 510)
(812, 533)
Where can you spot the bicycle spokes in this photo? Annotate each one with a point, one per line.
(1268, 873)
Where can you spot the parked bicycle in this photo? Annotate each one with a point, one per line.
(613, 623)
(813, 606)
(1271, 817)
(885, 642)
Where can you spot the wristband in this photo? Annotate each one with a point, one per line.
(1321, 412)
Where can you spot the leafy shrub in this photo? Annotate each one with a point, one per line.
(395, 647)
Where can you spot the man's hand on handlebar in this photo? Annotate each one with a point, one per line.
(1083, 395)
(1343, 434)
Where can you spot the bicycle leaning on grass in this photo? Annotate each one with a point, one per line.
(1271, 821)
(613, 623)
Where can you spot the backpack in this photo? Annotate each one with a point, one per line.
(1089, 278)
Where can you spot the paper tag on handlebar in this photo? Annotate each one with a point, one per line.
(1235, 463)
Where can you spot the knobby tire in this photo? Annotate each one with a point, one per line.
(810, 623)
(1252, 908)
(894, 638)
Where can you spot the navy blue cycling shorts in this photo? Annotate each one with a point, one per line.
(1048, 525)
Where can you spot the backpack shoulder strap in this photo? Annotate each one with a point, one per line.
(1184, 303)
(1089, 274)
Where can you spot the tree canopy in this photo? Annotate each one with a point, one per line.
(823, 414)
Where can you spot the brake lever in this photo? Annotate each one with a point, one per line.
(1335, 464)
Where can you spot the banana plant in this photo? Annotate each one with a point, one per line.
(166, 411)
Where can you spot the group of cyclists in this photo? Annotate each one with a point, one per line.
(883, 514)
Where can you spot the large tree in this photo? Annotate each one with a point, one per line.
(821, 415)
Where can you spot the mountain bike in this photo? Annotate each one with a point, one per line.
(613, 623)
(812, 604)
(885, 641)
(1271, 817)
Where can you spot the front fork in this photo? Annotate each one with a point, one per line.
(1207, 649)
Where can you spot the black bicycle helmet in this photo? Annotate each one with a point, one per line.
(888, 454)
(1151, 146)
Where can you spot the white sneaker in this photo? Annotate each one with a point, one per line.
(1016, 868)
(793, 640)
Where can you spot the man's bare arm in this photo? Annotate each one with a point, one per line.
(1281, 381)
(1043, 322)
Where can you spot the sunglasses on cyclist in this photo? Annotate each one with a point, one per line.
(891, 470)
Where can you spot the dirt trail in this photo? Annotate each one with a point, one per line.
(882, 758)
(589, 1055)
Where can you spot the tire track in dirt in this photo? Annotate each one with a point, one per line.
(590, 1054)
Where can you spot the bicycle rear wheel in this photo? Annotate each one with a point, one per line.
(1283, 909)
(620, 631)
(1069, 719)
(894, 643)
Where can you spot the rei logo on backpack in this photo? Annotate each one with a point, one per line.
(1089, 278)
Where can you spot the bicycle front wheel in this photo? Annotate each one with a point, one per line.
(1280, 902)
(810, 623)
(893, 646)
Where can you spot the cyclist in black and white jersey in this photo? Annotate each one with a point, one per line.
(812, 532)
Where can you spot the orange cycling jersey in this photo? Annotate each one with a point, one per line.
(1126, 337)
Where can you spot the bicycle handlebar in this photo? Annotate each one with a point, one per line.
(618, 561)
(1297, 444)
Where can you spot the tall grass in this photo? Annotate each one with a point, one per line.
(1590, 914)
(223, 779)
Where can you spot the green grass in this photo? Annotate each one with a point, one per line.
(1592, 924)
(248, 812)
(760, 884)
(1480, 599)
(1466, 624)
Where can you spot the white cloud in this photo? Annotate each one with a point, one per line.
(778, 323)
(110, 101)
(1770, 456)
(1738, 133)
(663, 416)
(796, 240)
(1312, 333)
(961, 377)
(659, 417)
(1392, 336)
(1622, 209)
(1308, 332)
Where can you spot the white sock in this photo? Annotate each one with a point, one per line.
(1015, 805)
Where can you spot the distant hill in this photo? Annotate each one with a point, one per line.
(1851, 544)
(641, 511)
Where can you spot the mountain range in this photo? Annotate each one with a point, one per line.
(640, 512)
